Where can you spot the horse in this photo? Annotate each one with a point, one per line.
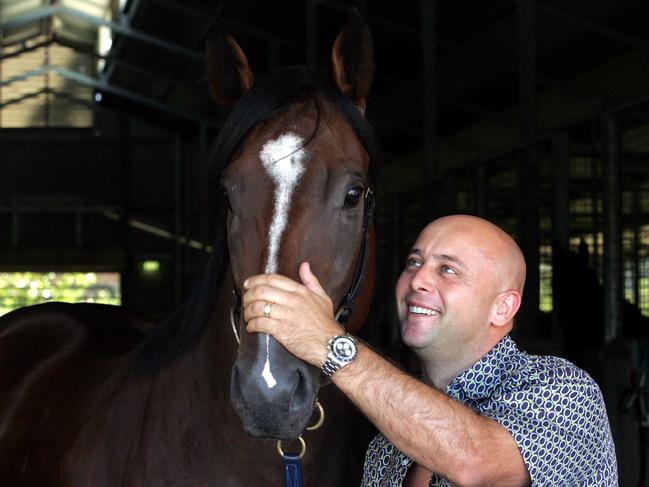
(95, 395)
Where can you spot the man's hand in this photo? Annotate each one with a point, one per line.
(301, 315)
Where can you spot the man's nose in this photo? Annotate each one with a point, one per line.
(422, 281)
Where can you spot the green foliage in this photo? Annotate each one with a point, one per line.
(18, 289)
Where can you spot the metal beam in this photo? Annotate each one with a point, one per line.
(311, 23)
(21, 40)
(94, 107)
(125, 20)
(87, 50)
(603, 30)
(99, 108)
(561, 191)
(22, 98)
(260, 34)
(26, 75)
(80, 47)
(178, 214)
(429, 95)
(25, 49)
(126, 30)
(483, 21)
(102, 86)
(158, 231)
(528, 161)
(612, 229)
(180, 6)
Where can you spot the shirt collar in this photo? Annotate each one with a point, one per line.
(488, 373)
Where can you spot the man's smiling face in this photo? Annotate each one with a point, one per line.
(445, 294)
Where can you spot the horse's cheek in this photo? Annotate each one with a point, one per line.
(349, 248)
(235, 245)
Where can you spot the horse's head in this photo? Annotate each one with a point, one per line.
(296, 186)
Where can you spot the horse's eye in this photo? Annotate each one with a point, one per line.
(353, 196)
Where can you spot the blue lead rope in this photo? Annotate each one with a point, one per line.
(292, 471)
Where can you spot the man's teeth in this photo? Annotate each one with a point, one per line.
(422, 311)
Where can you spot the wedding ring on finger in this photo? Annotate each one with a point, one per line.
(267, 309)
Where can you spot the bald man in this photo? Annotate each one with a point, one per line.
(484, 413)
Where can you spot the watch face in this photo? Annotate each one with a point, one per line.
(344, 348)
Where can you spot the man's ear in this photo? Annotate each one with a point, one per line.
(352, 58)
(228, 74)
(505, 307)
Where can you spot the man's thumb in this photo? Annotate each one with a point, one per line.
(310, 280)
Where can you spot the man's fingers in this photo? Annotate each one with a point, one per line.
(265, 293)
(259, 309)
(259, 325)
(274, 280)
(309, 279)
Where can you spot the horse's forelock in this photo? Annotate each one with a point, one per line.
(274, 96)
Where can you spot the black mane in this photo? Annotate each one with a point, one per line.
(180, 331)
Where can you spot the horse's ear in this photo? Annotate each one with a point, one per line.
(228, 74)
(352, 57)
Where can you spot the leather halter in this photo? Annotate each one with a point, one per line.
(345, 309)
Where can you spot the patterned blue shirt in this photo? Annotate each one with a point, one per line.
(554, 411)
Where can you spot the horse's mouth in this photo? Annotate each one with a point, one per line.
(283, 416)
(272, 423)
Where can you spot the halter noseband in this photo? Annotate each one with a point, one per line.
(345, 308)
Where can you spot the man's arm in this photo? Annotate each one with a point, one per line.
(434, 430)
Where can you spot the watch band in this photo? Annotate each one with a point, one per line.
(329, 368)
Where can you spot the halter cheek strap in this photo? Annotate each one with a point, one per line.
(233, 320)
(345, 309)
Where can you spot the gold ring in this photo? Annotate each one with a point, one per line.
(321, 419)
(267, 309)
(302, 446)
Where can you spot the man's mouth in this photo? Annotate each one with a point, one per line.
(420, 310)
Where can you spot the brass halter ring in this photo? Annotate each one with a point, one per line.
(321, 419)
(313, 427)
(302, 446)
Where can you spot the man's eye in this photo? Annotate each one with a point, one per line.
(412, 262)
(447, 270)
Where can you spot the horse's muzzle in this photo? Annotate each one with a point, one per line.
(272, 408)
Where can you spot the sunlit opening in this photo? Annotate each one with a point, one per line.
(19, 289)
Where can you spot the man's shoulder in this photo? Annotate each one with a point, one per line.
(549, 368)
(544, 370)
(549, 381)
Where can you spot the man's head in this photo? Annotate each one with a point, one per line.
(460, 289)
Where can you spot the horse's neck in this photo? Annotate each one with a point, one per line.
(203, 373)
(181, 414)
(211, 360)
(194, 394)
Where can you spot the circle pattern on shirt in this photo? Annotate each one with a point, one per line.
(554, 411)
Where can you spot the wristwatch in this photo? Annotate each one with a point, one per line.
(342, 350)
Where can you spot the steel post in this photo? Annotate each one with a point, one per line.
(612, 230)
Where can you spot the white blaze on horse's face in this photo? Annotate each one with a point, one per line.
(283, 158)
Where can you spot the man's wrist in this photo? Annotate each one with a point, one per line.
(343, 349)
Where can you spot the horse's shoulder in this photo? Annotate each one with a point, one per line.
(60, 364)
(64, 327)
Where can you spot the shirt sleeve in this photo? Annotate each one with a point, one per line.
(559, 422)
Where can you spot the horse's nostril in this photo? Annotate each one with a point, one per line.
(301, 390)
(235, 385)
